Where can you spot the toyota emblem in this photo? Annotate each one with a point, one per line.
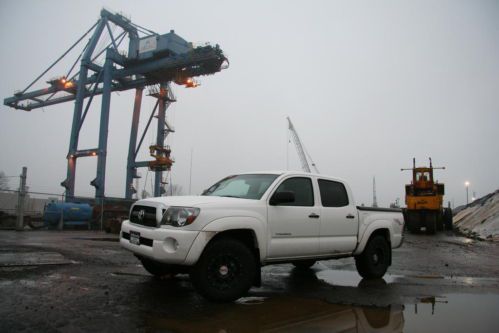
(141, 214)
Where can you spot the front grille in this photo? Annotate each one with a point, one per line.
(144, 215)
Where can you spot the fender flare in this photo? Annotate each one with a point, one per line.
(226, 224)
(372, 227)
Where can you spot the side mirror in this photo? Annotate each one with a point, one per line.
(282, 198)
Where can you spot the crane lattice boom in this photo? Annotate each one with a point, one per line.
(300, 149)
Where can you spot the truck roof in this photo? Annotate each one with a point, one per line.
(292, 172)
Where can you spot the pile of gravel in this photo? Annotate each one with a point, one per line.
(480, 219)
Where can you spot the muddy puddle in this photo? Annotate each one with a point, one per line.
(446, 313)
(352, 279)
(343, 278)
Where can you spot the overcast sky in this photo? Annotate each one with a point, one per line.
(368, 84)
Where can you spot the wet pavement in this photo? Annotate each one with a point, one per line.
(82, 281)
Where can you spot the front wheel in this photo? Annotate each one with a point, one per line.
(225, 271)
(374, 261)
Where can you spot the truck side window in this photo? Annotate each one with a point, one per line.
(333, 194)
(301, 187)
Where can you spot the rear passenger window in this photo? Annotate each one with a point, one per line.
(333, 194)
(301, 187)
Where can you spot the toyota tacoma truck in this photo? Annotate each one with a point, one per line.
(243, 222)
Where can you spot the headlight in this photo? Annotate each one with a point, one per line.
(180, 216)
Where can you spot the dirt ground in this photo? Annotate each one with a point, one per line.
(84, 281)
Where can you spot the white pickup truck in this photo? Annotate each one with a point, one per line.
(243, 222)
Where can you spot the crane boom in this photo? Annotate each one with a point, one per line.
(300, 149)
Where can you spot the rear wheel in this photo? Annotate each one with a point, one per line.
(412, 222)
(225, 271)
(431, 223)
(374, 261)
(304, 264)
(413, 229)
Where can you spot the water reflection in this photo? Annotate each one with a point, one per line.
(283, 314)
(453, 313)
(304, 301)
(353, 279)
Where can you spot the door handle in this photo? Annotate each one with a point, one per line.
(350, 216)
(313, 216)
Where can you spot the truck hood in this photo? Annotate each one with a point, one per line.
(197, 201)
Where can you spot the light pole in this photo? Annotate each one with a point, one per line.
(467, 184)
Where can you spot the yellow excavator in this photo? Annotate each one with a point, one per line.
(424, 200)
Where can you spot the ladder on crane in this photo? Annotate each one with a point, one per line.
(300, 149)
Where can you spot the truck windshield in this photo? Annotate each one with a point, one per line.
(242, 186)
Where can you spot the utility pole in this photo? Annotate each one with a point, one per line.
(467, 185)
(375, 201)
(190, 174)
(20, 200)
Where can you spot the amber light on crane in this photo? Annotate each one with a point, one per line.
(68, 84)
(191, 83)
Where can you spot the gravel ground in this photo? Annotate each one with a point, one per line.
(84, 281)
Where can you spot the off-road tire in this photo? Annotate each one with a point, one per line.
(225, 271)
(304, 264)
(412, 222)
(431, 223)
(374, 261)
(413, 229)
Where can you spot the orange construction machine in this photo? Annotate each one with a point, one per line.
(424, 200)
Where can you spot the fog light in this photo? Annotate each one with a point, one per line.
(170, 245)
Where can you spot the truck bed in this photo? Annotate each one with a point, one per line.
(380, 209)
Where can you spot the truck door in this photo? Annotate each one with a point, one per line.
(339, 219)
(294, 226)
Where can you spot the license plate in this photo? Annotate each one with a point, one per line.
(135, 237)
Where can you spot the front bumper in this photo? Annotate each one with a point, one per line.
(170, 246)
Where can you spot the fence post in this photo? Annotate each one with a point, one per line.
(101, 214)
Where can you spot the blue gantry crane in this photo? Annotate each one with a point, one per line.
(150, 60)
